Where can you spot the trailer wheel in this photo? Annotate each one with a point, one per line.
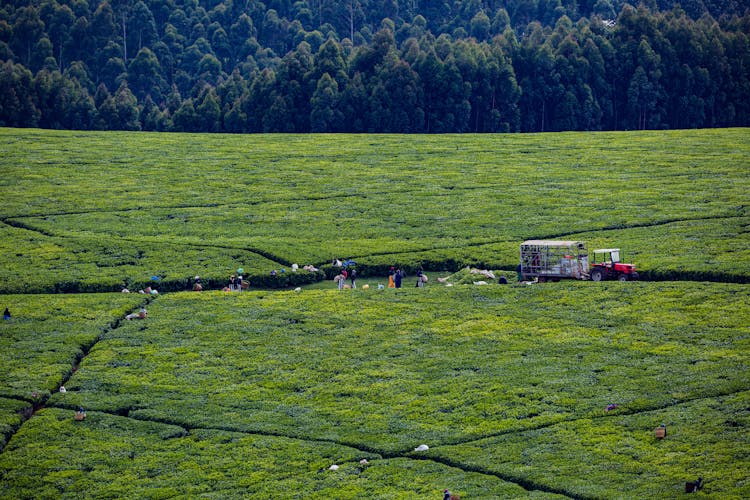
(596, 274)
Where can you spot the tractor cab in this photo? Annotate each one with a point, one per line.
(606, 265)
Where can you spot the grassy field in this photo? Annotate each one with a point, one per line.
(543, 390)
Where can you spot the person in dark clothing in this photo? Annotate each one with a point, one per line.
(353, 277)
(694, 486)
(6, 314)
(503, 280)
(398, 277)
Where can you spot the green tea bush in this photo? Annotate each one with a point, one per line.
(619, 456)
(701, 250)
(100, 264)
(285, 279)
(383, 369)
(48, 334)
(675, 201)
(502, 382)
(111, 456)
(12, 413)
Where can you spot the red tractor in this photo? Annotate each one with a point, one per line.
(607, 266)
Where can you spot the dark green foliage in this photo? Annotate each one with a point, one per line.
(533, 65)
(17, 108)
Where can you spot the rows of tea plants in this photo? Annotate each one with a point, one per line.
(390, 370)
(265, 202)
(116, 457)
(12, 413)
(38, 263)
(600, 457)
(48, 334)
(521, 390)
(42, 343)
(379, 372)
(671, 251)
(711, 250)
(634, 176)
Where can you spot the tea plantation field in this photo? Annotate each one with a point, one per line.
(541, 390)
(239, 394)
(100, 209)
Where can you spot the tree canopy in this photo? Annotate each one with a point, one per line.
(374, 65)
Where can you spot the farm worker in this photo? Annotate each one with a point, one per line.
(6, 314)
(340, 280)
(503, 280)
(353, 277)
(398, 277)
(232, 282)
(519, 270)
(239, 279)
(391, 272)
(421, 278)
(139, 315)
(197, 287)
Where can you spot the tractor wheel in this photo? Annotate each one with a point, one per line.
(634, 277)
(622, 277)
(596, 274)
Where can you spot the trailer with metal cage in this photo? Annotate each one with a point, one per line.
(553, 260)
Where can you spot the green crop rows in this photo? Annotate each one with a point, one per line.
(223, 395)
(102, 209)
(522, 373)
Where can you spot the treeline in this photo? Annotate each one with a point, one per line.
(373, 66)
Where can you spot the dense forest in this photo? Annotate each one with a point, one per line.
(374, 65)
